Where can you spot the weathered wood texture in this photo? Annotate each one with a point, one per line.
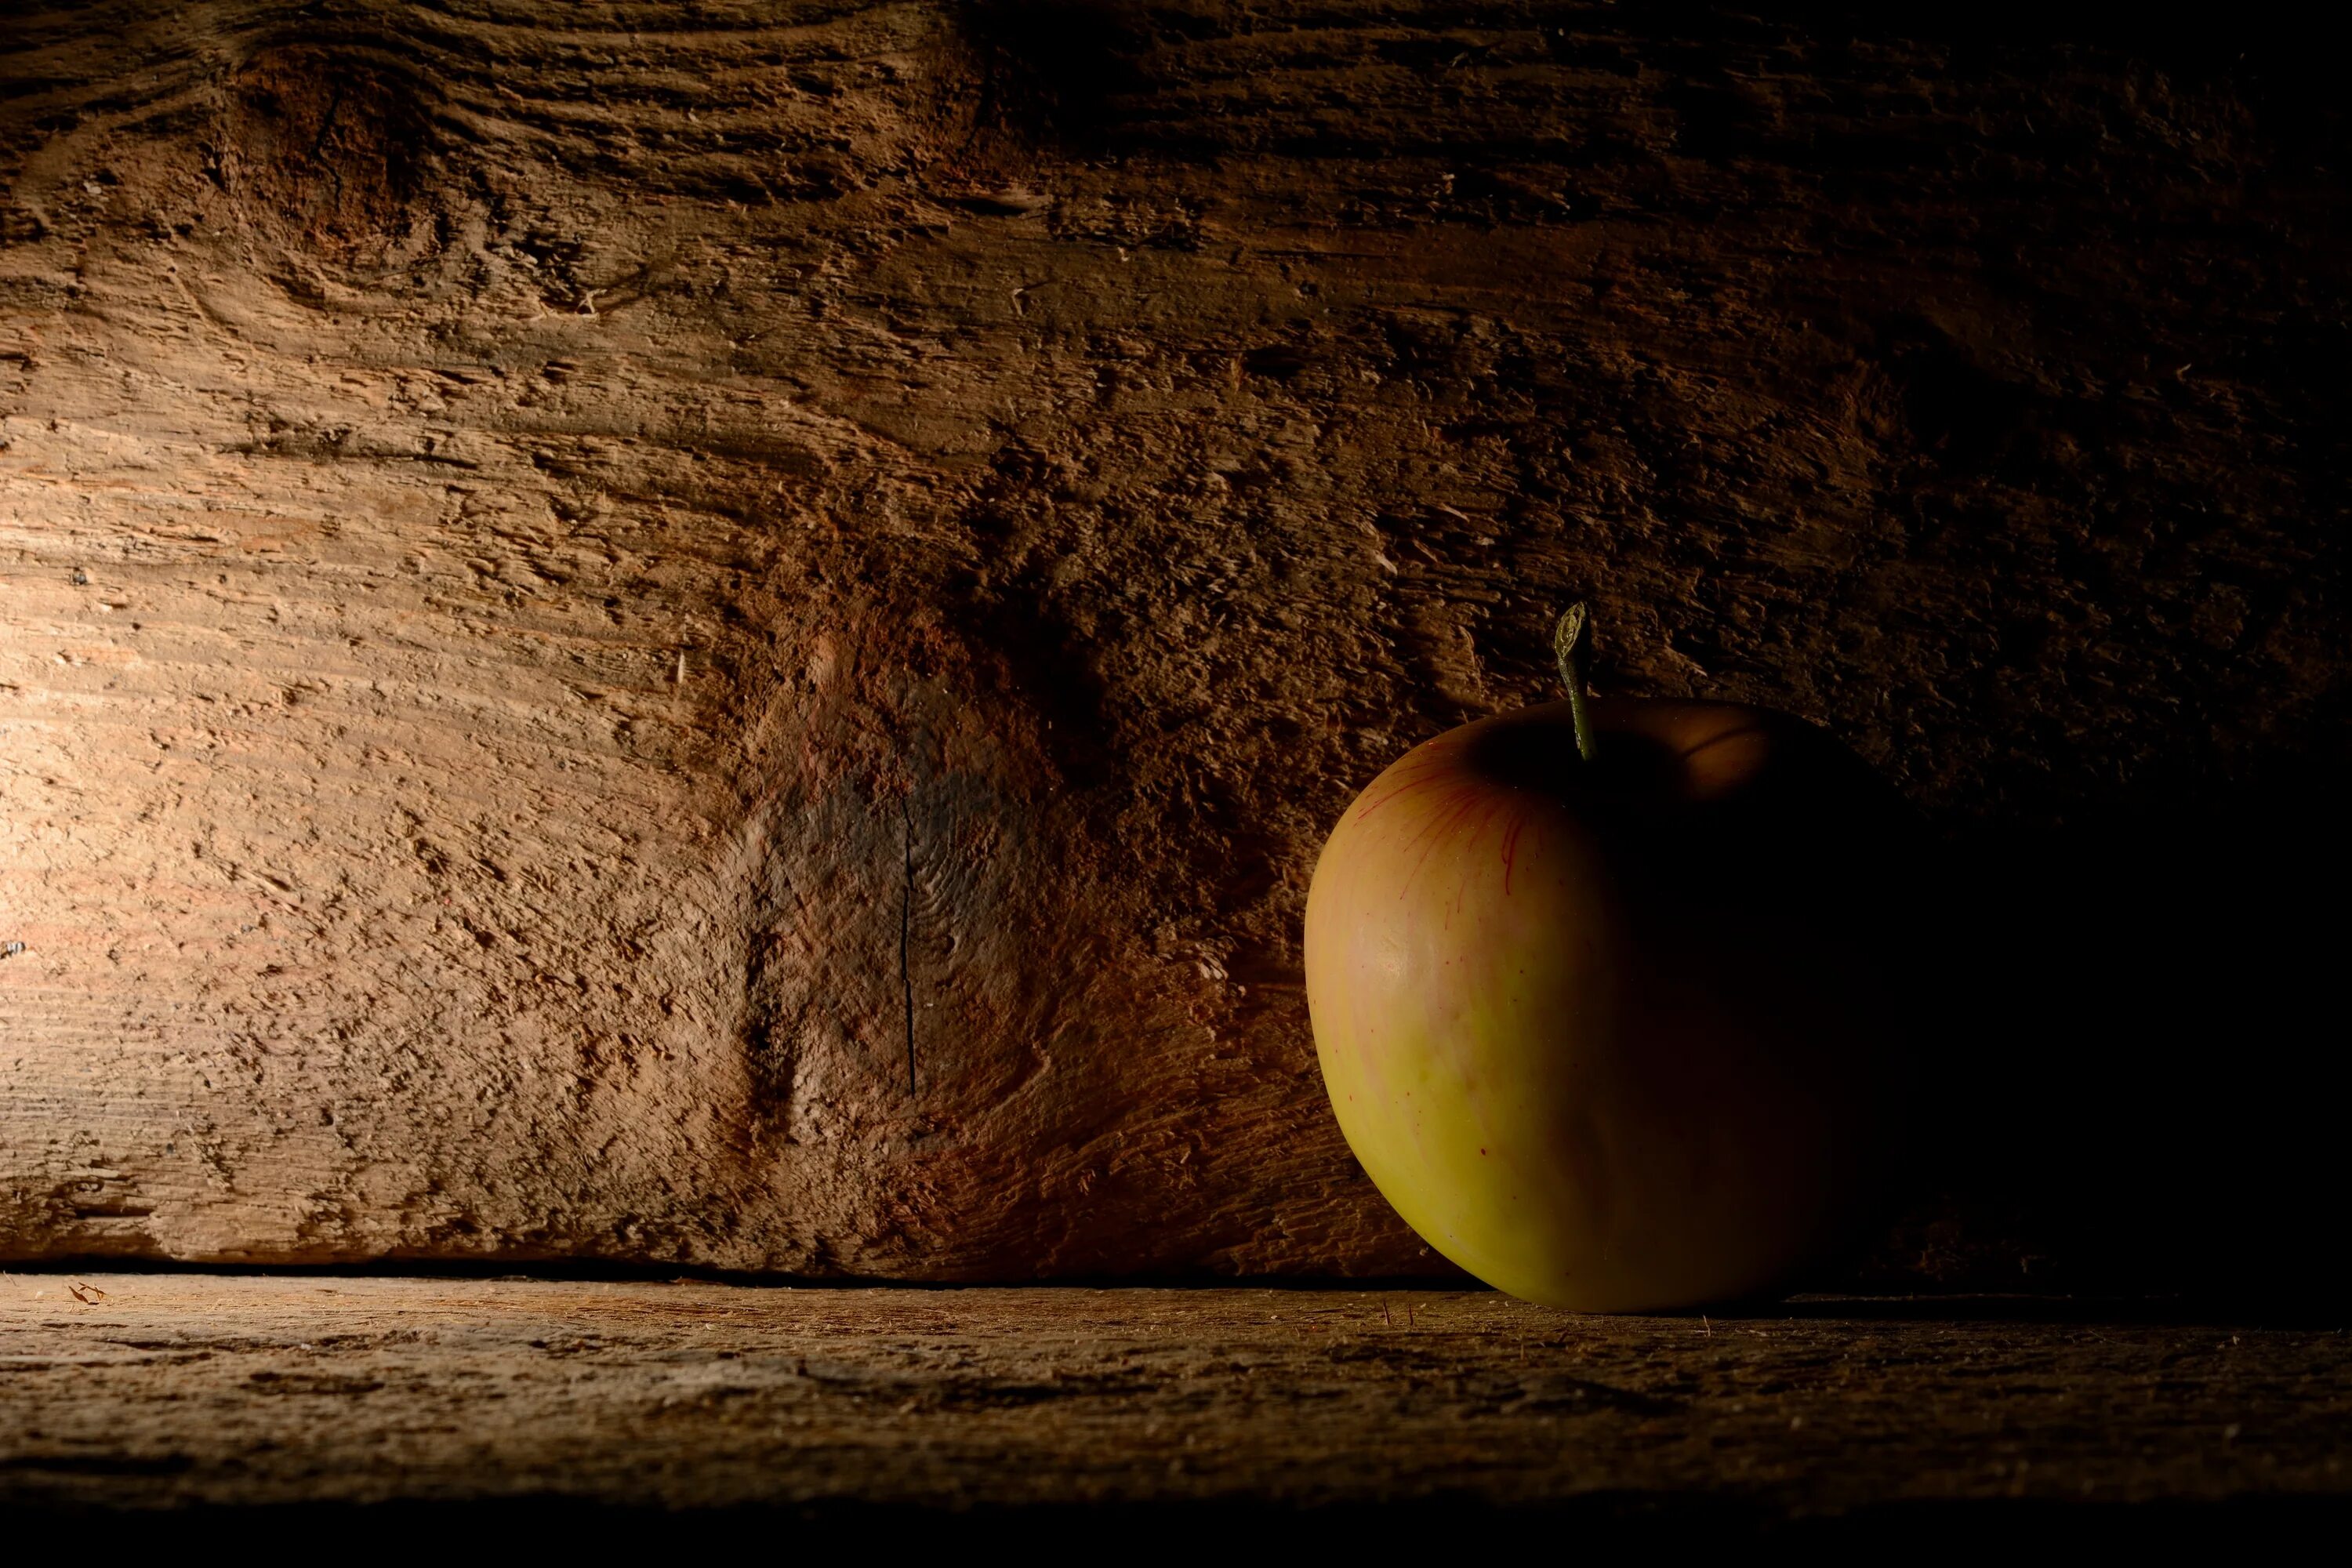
(177, 1390)
(725, 632)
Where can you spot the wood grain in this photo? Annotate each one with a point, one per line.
(724, 632)
(135, 1391)
(177, 1390)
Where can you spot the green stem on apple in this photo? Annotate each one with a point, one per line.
(1568, 641)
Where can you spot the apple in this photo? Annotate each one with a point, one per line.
(1607, 995)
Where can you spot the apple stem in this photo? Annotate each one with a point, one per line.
(1567, 640)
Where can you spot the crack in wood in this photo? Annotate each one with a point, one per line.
(906, 934)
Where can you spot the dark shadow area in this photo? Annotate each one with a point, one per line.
(2182, 1311)
(1159, 1528)
(1052, 70)
(2143, 1083)
(1082, 75)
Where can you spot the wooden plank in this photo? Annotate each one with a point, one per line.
(722, 635)
(141, 1391)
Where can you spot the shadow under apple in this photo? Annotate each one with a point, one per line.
(2143, 1081)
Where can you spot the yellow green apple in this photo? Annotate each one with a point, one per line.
(1608, 1010)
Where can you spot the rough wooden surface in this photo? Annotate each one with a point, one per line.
(143, 1391)
(725, 632)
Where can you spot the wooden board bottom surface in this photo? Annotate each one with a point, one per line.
(141, 1391)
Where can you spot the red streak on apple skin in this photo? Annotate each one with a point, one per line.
(1462, 807)
(1435, 764)
(1454, 808)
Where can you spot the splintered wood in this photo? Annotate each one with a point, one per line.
(138, 1391)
